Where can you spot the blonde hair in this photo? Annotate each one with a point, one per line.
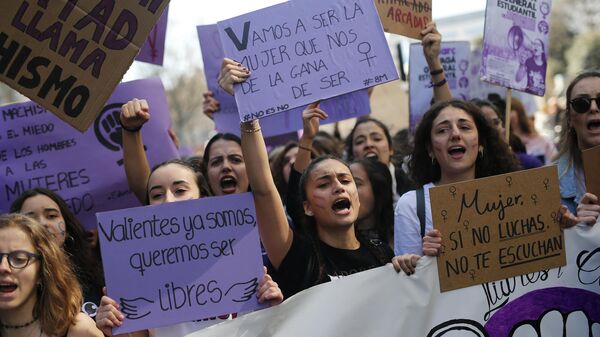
(59, 295)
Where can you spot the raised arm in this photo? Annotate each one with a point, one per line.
(311, 118)
(134, 114)
(432, 41)
(273, 228)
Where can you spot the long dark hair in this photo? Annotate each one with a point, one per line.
(349, 148)
(497, 158)
(308, 225)
(200, 179)
(381, 182)
(78, 249)
(568, 136)
(206, 156)
(277, 170)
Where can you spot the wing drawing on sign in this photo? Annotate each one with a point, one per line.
(242, 291)
(131, 307)
(588, 267)
(458, 328)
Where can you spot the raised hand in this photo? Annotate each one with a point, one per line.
(311, 119)
(431, 42)
(134, 114)
(210, 105)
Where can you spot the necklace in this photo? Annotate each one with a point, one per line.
(19, 326)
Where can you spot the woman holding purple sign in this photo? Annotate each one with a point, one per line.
(172, 181)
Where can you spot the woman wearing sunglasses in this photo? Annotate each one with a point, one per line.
(580, 131)
(39, 293)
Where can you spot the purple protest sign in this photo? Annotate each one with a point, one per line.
(181, 261)
(153, 50)
(306, 51)
(482, 90)
(227, 119)
(515, 44)
(37, 149)
(455, 57)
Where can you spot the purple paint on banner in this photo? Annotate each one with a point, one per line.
(531, 308)
(182, 261)
(153, 50)
(227, 119)
(37, 149)
(308, 50)
(515, 44)
(455, 58)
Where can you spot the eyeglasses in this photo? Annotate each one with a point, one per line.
(19, 259)
(583, 104)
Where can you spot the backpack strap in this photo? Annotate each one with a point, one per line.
(421, 209)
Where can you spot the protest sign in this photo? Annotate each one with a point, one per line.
(404, 17)
(68, 56)
(515, 44)
(455, 57)
(308, 50)
(153, 50)
(552, 302)
(181, 261)
(591, 166)
(498, 227)
(39, 150)
(227, 119)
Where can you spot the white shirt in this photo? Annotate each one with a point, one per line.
(407, 228)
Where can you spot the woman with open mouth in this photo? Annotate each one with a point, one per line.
(39, 293)
(453, 143)
(580, 131)
(223, 165)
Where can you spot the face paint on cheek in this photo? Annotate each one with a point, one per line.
(62, 228)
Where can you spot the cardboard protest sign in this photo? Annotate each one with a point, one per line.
(591, 166)
(307, 50)
(181, 261)
(69, 56)
(515, 44)
(498, 227)
(153, 51)
(227, 119)
(39, 150)
(455, 58)
(404, 17)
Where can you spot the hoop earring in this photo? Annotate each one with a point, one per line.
(308, 213)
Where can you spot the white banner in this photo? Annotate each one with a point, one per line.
(381, 302)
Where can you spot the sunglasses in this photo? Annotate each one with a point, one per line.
(583, 104)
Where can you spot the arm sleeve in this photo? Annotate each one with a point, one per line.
(407, 230)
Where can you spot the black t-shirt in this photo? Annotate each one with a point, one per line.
(300, 268)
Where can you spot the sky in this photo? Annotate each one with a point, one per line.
(183, 51)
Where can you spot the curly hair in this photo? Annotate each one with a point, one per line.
(568, 136)
(85, 264)
(349, 144)
(59, 294)
(499, 158)
(190, 165)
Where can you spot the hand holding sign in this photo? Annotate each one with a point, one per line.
(311, 118)
(232, 72)
(432, 243)
(432, 42)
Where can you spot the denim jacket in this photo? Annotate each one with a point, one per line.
(570, 188)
